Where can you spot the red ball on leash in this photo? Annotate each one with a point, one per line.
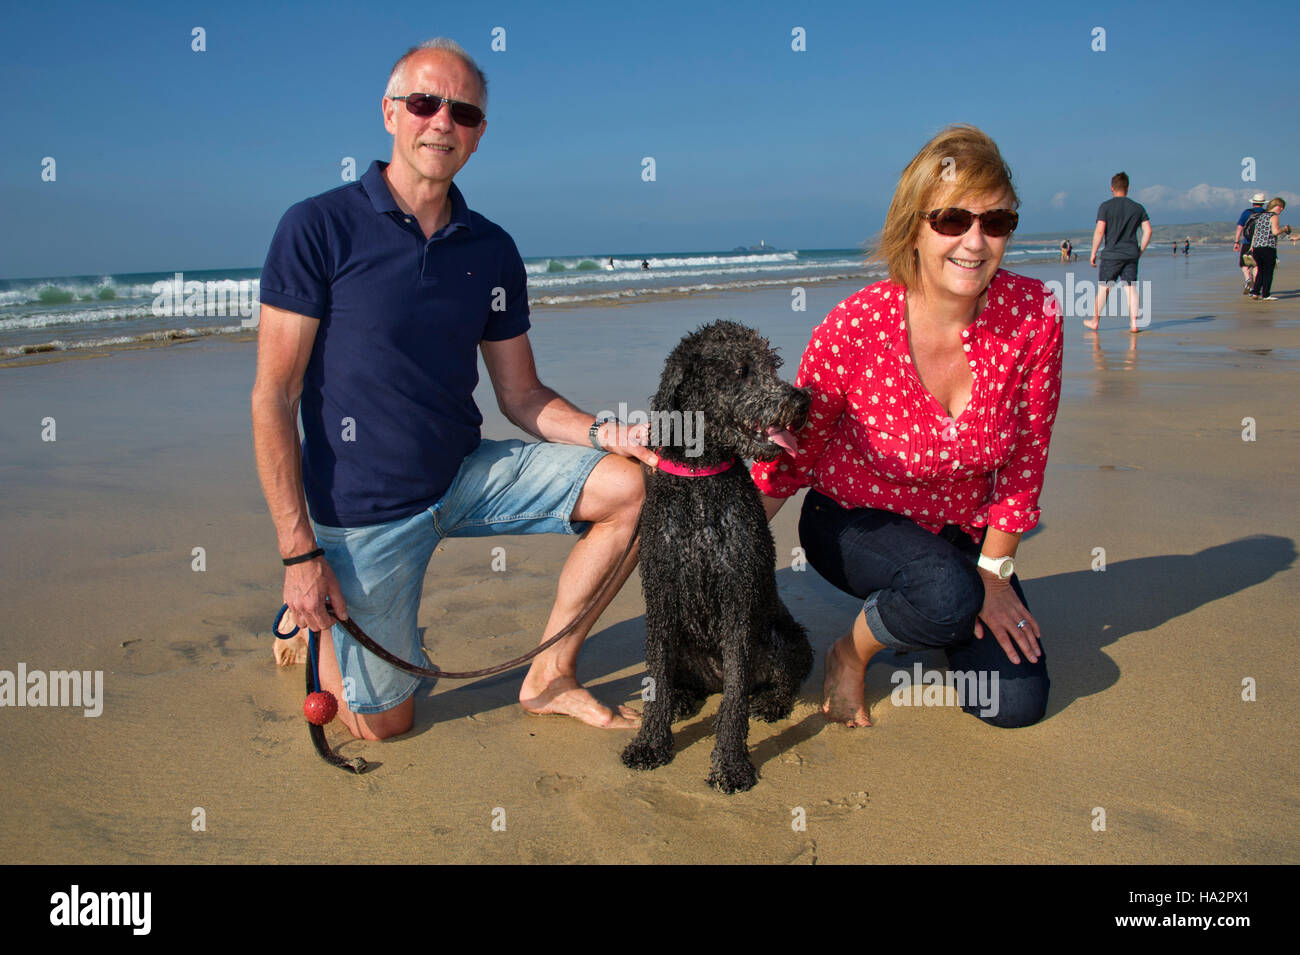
(320, 707)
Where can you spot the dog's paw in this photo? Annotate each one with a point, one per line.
(684, 707)
(734, 777)
(642, 755)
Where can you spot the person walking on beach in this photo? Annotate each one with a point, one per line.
(1118, 221)
(376, 299)
(1263, 247)
(1241, 243)
(934, 394)
(1187, 245)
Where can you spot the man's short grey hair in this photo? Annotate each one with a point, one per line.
(397, 78)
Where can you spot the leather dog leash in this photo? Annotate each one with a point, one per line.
(359, 765)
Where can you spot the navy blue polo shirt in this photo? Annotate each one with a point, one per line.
(388, 411)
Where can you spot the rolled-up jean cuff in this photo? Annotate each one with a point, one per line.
(878, 628)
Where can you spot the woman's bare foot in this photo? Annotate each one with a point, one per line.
(845, 694)
(565, 696)
(1091, 323)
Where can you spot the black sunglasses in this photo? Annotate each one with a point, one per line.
(426, 104)
(953, 221)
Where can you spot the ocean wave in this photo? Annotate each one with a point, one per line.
(88, 316)
(69, 293)
(659, 274)
(625, 294)
(166, 335)
(583, 263)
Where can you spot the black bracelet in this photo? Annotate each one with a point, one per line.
(303, 558)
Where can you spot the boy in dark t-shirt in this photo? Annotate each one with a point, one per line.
(1118, 221)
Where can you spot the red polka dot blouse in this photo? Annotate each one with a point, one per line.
(876, 437)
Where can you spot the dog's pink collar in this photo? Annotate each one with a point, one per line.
(682, 470)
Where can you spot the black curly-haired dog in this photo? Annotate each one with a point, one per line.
(714, 621)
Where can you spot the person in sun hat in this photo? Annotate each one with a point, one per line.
(1241, 242)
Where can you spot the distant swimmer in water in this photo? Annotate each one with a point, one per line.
(645, 265)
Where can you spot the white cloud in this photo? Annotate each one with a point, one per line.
(1204, 197)
(1058, 200)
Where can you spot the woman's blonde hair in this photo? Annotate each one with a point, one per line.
(1277, 202)
(961, 158)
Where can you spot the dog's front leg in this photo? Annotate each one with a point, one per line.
(732, 770)
(653, 745)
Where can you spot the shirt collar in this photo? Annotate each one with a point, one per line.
(899, 341)
(381, 198)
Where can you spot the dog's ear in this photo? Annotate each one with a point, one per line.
(668, 397)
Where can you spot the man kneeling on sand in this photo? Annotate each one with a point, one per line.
(376, 298)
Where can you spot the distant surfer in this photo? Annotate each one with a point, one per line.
(645, 266)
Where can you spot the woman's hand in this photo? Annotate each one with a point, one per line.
(1000, 615)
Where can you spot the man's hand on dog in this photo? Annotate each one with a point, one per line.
(631, 441)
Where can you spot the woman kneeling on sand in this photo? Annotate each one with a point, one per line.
(934, 394)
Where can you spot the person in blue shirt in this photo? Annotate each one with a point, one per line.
(377, 298)
(1241, 243)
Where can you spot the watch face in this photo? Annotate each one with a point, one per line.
(1007, 569)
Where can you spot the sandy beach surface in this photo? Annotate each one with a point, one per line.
(200, 753)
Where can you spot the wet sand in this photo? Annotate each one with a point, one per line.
(153, 459)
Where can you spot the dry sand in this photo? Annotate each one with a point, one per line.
(153, 458)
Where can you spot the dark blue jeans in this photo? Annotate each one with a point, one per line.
(922, 592)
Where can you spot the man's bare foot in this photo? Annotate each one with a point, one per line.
(565, 696)
(1091, 323)
(845, 695)
(291, 649)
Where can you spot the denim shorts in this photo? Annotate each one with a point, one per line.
(922, 591)
(503, 487)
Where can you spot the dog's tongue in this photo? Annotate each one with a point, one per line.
(783, 437)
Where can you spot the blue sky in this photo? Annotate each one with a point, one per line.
(168, 158)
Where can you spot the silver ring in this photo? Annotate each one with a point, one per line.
(1021, 625)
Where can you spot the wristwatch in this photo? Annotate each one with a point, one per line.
(1003, 567)
(593, 431)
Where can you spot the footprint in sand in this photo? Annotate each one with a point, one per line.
(551, 784)
(856, 800)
